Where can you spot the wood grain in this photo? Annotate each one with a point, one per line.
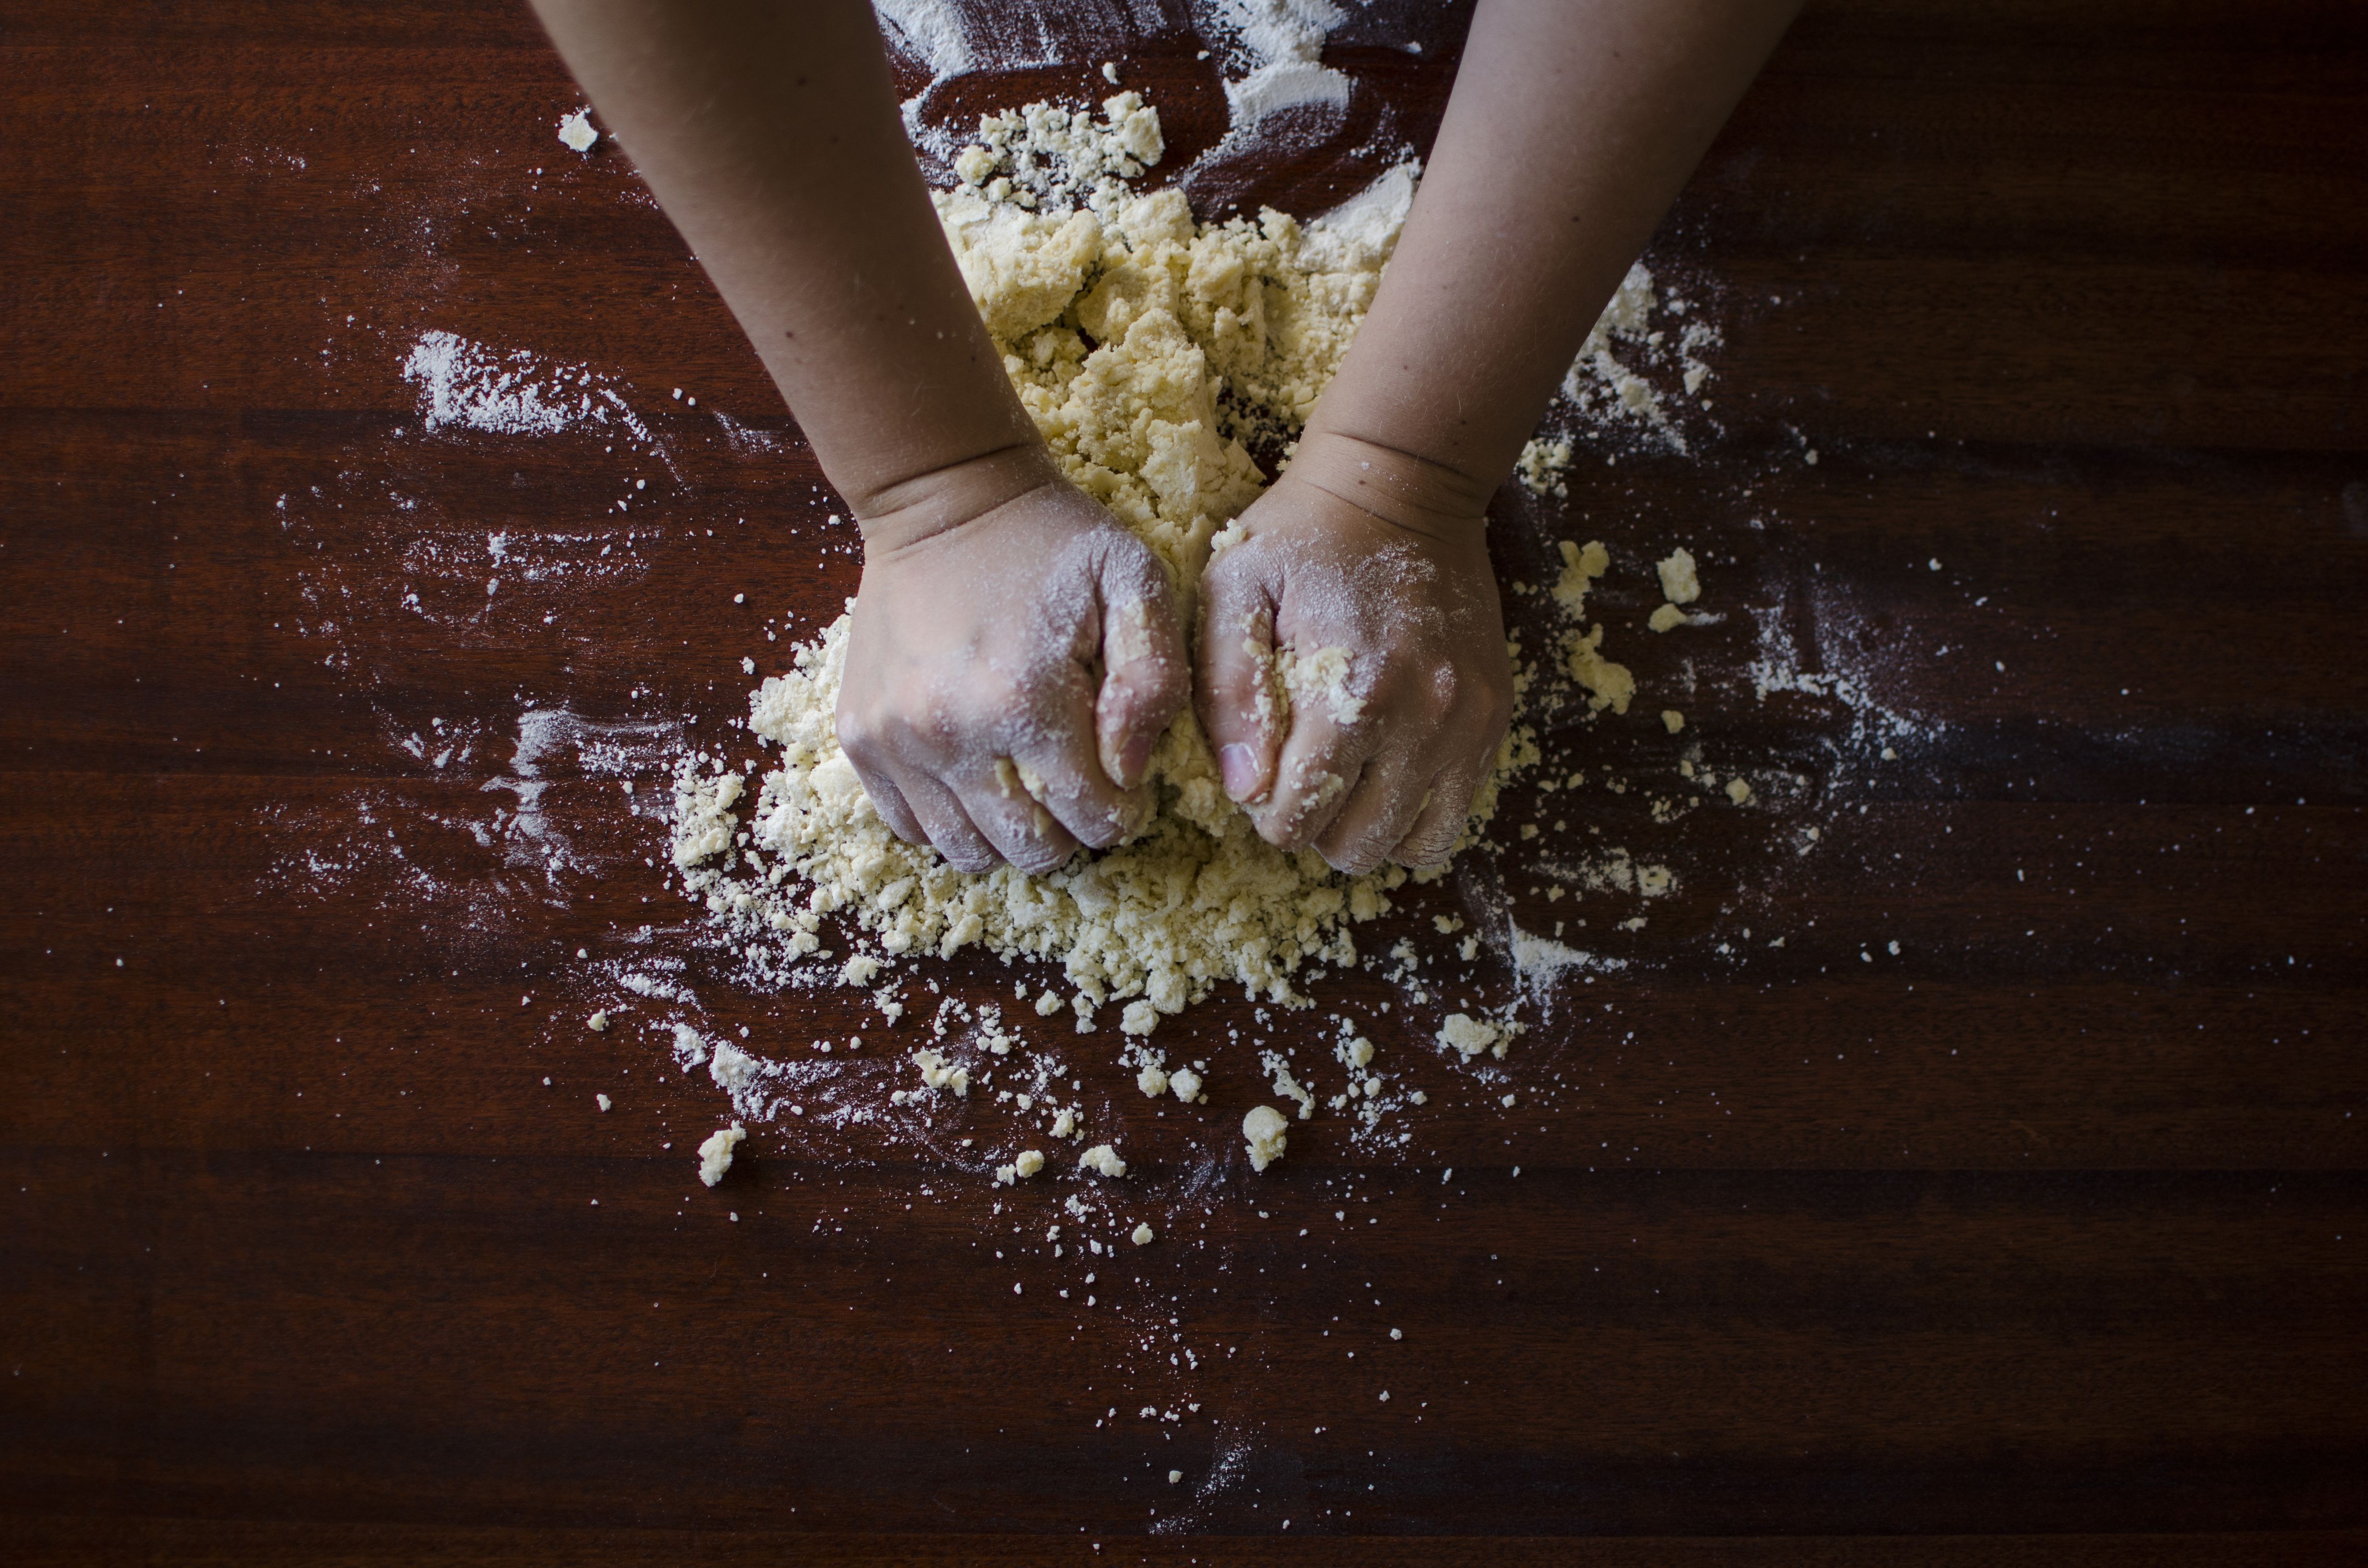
(2037, 1238)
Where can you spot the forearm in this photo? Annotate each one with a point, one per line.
(769, 134)
(1572, 127)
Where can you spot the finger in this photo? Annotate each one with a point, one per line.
(950, 827)
(1320, 768)
(1147, 676)
(1440, 821)
(1060, 769)
(889, 802)
(1001, 805)
(1062, 773)
(1329, 740)
(1236, 694)
(1375, 818)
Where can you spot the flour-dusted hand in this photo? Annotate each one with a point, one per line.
(1353, 675)
(1008, 673)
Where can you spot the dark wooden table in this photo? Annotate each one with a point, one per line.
(2038, 1238)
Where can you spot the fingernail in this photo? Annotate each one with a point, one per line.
(1133, 760)
(1239, 766)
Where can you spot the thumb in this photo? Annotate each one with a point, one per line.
(1237, 691)
(1146, 674)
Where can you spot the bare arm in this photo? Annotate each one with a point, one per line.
(1572, 126)
(770, 136)
(769, 132)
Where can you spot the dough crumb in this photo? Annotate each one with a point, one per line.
(1140, 1235)
(1667, 617)
(1738, 791)
(1186, 1084)
(1608, 684)
(937, 1072)
(1174, 1476)
(716, 1155)
(603, 1100)
(576, 133)
(1468, 1035)
(1266, 1131)
(1153, 1080)
(1030, 1161)
(1673, 719)
(1102, 1160)
(1679, 583)
(1320, 677)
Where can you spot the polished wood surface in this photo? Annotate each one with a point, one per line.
(2038, 1239)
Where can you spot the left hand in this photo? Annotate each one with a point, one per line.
(1403, 585)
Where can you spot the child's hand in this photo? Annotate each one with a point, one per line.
(1413, 602)
(1007, 678)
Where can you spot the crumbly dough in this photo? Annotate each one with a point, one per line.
(1145, 347)
(1102, 1160)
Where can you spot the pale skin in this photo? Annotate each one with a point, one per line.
(1008, 628)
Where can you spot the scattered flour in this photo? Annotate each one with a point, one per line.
(1603, 395)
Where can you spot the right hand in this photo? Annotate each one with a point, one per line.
(1014, 657)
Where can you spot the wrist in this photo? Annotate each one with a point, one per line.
(897, 516)
(1398, 487)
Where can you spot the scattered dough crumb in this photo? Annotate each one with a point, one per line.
(1469, 1035)
(937, 1072)
(1667, 617)
(1679, 582)
(716, 1155)
(1673, 719)
(603, 1099)
(1738, 791)
(1186, 1084)
(575, 131)
(1266, 1131)
(1103, 1160)
(1029, 1162)
(1153, 1080)
(1140, 1235)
